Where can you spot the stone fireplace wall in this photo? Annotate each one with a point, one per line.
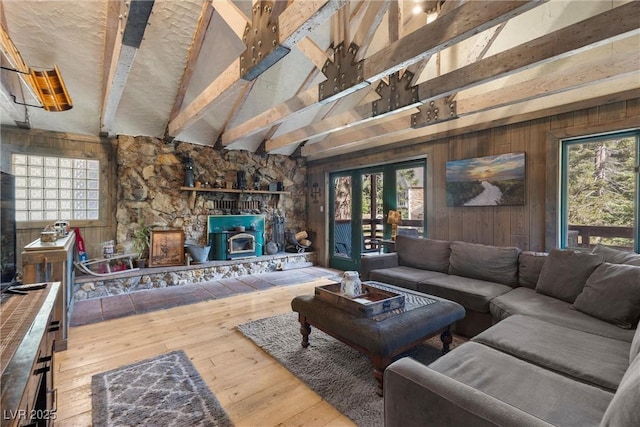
(150, 173)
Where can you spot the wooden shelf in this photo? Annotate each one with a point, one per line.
(194, 190)
(232, 190)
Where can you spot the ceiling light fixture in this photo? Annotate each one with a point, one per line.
(51, 90)
(47, 86)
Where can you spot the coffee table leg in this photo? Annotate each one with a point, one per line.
(378, 374)
(446, 339)
(305, 330)
(379, 365)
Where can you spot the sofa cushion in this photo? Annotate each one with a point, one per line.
(415, 396)
(623, 409)
(565, 272)
(552, 397)
(529, 267)
(473, 294)
(612, 293)
(483, 262)
(427, 254)
(526, 301)
(405, 277)
(590, 358)
(616, 256)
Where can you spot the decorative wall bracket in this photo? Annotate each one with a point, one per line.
(438, 110)
(343, 74)
(315, 192)
(398, 93)
(262, 41)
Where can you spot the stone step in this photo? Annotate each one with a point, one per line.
(88, 287)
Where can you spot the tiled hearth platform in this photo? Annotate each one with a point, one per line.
(141, 301)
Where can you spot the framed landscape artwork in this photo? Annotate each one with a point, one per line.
(486, 181)
(166, 248)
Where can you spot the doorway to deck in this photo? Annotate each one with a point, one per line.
(360, 200)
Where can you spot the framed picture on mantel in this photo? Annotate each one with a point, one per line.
(166, 248)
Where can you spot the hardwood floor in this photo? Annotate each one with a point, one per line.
(253, 388)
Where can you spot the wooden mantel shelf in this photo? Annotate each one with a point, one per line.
(194, 190)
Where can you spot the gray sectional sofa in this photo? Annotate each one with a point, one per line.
(554, 337)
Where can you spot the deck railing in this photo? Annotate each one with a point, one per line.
(580, 236)
(372, 230)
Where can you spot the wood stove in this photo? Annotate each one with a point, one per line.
(241, 245)
(236, 236)
(234, 244)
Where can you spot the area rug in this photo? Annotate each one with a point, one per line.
(165, 390)
(339, 374)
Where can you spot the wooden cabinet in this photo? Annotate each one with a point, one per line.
(28, 328)
(45, 262)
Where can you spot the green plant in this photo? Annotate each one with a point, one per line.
(141, 240)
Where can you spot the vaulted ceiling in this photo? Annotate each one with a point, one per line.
(311, 77)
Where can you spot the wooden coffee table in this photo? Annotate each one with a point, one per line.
(385, 337)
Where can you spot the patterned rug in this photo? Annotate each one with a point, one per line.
(165, 390)
(339, 374)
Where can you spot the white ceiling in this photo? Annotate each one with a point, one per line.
(74, 35)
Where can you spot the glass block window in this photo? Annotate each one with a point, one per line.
(56, 188)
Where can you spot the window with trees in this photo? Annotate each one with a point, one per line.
(600, 191)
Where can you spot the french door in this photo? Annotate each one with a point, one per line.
(359, 202)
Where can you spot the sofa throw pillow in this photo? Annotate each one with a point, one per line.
(612, 294)
(529, 267)
(483, 262)
(426, 254)
(616, 256)
(565, 272)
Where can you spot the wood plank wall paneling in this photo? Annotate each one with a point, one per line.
(317, 211)
(529, 227)
(15, 140)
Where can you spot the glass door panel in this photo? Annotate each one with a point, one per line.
(341, 233)
(372, 211)
(409, 200)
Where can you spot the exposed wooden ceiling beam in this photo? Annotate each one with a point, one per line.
(363, 37)
(12, 81)
(469, 19)
(124, 53)
(15, 61)
(619, 68)
(368, 26)
(602, 93)
(227, 84)
(396, 29)
(196, 46)
(570, 40)
(395, 20)
(314, 52)
(360, 132)
(112, 28)
(301, 18)
(234, 17)
(295, 22)
(569, 77)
